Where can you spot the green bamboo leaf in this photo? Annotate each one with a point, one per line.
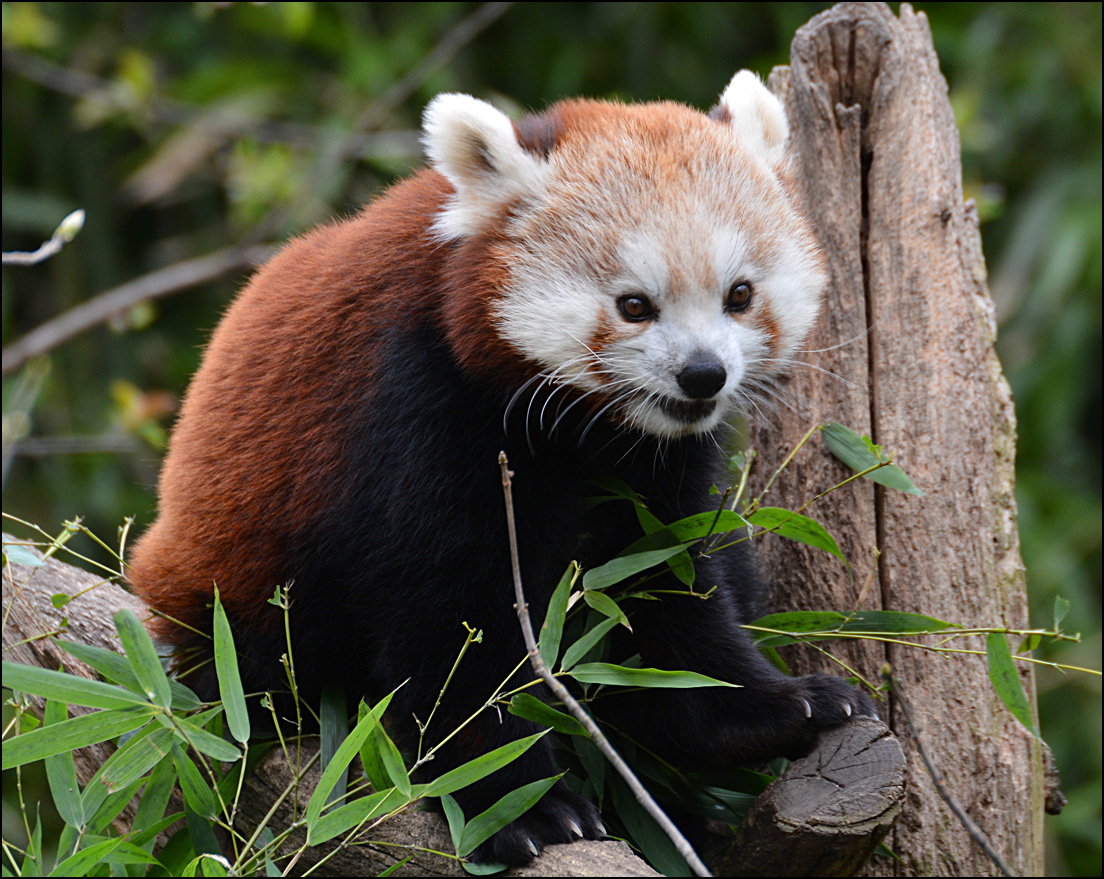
(61, 772)
(1061, 608)
(804, 621)
(859, 453)
(371, 750)
(112, 806)
(69, 735)
(826, 625)
(333, 722)
(648, 520)
(895, 621)
(551, 631)
(147, 836)
(607, 607)
(67, 688)
(96, 791)
(681, 565)
(198, 794)
(347, 816)
(395, 867)
(137, 757)
(110, 851)
(206, 742)
(481, 767)
(454, 815)
(22, 555)
(143, 658)
(344, 756)
(531, 708)
(605, 673)
(515, 804)
(204, 842)
(704, 524)
(32, 859)
(229, 680)
(581, 647)
(155, 797)
(392, 760)
(646, 833)
(796, 527)
(616, 489)
(115, 668)
(1006, 680)
(623, 567)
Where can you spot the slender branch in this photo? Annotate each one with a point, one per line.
(105, 443)
(332, 158)
(561, 692)
(65, 232)
(155, 285)
(168, 112)
(976, 833)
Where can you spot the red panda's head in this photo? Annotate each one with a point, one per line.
(650, 257)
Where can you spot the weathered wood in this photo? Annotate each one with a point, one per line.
(829, 811)
(30, 620)
(908, 333)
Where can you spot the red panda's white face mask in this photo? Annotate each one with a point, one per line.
(653, 260)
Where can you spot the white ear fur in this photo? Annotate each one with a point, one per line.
(475, 147)
(757, 116)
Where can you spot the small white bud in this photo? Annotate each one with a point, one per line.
(70, 226)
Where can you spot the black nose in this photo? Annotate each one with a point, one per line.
(702, 376)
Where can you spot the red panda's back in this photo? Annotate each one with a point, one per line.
(259, 448)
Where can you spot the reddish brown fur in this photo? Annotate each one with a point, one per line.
(332, 292)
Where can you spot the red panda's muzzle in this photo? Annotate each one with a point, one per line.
(687, 411)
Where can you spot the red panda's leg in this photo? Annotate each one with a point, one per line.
(561, 816)
(767, 715)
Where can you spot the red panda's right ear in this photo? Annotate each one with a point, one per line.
(756, 115)
(475, 146)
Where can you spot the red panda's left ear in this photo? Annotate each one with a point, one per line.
(757, 116)
(475, 146)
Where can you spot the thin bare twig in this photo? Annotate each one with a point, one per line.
(163, 282)
(65, 232)
(561, 693)
(976, 833)
(331, 159)
(168, 112)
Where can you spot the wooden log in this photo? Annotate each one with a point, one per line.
(826, 815)
(904, 353)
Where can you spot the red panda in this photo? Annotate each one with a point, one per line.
(593, 288)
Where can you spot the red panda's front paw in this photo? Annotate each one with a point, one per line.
(560, 816)
(830, 701)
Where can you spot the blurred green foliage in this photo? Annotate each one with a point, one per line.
(185, 128)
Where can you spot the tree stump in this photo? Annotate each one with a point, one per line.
(903, 352)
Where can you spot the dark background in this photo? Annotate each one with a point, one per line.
(185, 128)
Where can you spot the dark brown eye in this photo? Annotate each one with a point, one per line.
(739, 297)
(635, 307)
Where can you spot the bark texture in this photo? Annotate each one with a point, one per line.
(904, 354)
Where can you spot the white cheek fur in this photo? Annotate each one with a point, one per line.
(548, 315)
